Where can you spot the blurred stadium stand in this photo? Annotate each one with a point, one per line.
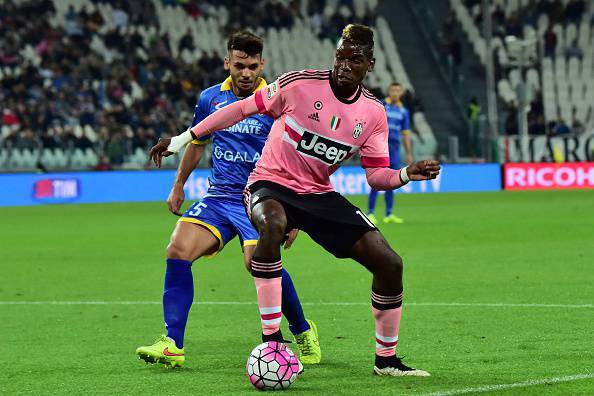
(92, 84)
(561, 83)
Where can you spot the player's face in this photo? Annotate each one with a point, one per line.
(244, 70)
(350, 66)
(395, 93)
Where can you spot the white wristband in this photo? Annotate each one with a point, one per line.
(403, 175)
(178, 142)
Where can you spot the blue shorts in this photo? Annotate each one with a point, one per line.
(225, 217)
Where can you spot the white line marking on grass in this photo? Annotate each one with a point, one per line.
(336, 303)
(491, 388)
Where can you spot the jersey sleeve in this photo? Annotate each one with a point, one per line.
(406, 123)
(200, 113)
(374, 151)
(271, 99)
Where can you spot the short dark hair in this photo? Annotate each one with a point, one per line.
(360, 35)
(395, 84)
(245, 41)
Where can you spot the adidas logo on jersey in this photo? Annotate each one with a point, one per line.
(314, 116)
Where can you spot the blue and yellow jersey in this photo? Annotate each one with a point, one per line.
(398, 121)
(235, 150)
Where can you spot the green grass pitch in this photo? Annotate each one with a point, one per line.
(501, 250)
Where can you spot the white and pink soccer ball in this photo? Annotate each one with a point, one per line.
(272, 366)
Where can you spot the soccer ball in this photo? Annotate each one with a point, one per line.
(272, 366)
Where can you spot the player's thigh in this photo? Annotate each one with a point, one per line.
(191, 241)
(374, 252)
(334, 223)
(207, 216)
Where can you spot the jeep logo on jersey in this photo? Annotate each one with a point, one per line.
(326, 150)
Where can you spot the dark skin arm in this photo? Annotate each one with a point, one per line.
(423, 170)
(159, 150)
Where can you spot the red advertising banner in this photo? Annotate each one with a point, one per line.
(548, 176)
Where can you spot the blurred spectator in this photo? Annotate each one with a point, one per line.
(104, 164)
(511, 121)
(451, 44)
(9, 118)
(186, 42)
(557, 13)
(561, 128)
(574, 50)
(473, 110)
(550, 42)
(577, 126)
(574, 10)
(115, 149)
(25, 140)
(119, 16)
(514, 25)
(536, 125)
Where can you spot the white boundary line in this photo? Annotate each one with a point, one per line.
(491, 388)
(321, 303)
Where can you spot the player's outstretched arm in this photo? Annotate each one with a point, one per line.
(221, 119)
(389, 179)
(190, 160)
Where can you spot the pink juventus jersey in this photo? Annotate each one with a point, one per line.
(314, 131)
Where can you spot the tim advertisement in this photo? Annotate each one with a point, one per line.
(138, 186)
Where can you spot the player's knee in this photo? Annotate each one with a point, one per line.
(176, 250)
(271, 227)
(393, 266)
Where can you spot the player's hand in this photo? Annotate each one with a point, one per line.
(292, 236)
(175, 200)
(159, 151)
(423, 170)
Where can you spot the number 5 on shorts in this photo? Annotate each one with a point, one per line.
(197, 209)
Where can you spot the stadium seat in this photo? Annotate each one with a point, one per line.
(91, 158)
(573, 68)
(532, 79)
(514, 78)
(78, 160)
(60, 158)
(570, 33)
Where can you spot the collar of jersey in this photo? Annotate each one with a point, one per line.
(226, 85)
(389, 101)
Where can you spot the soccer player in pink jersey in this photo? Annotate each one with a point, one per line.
(321, 118)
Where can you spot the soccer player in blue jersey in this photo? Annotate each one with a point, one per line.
(209, 224)
(399, 126)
